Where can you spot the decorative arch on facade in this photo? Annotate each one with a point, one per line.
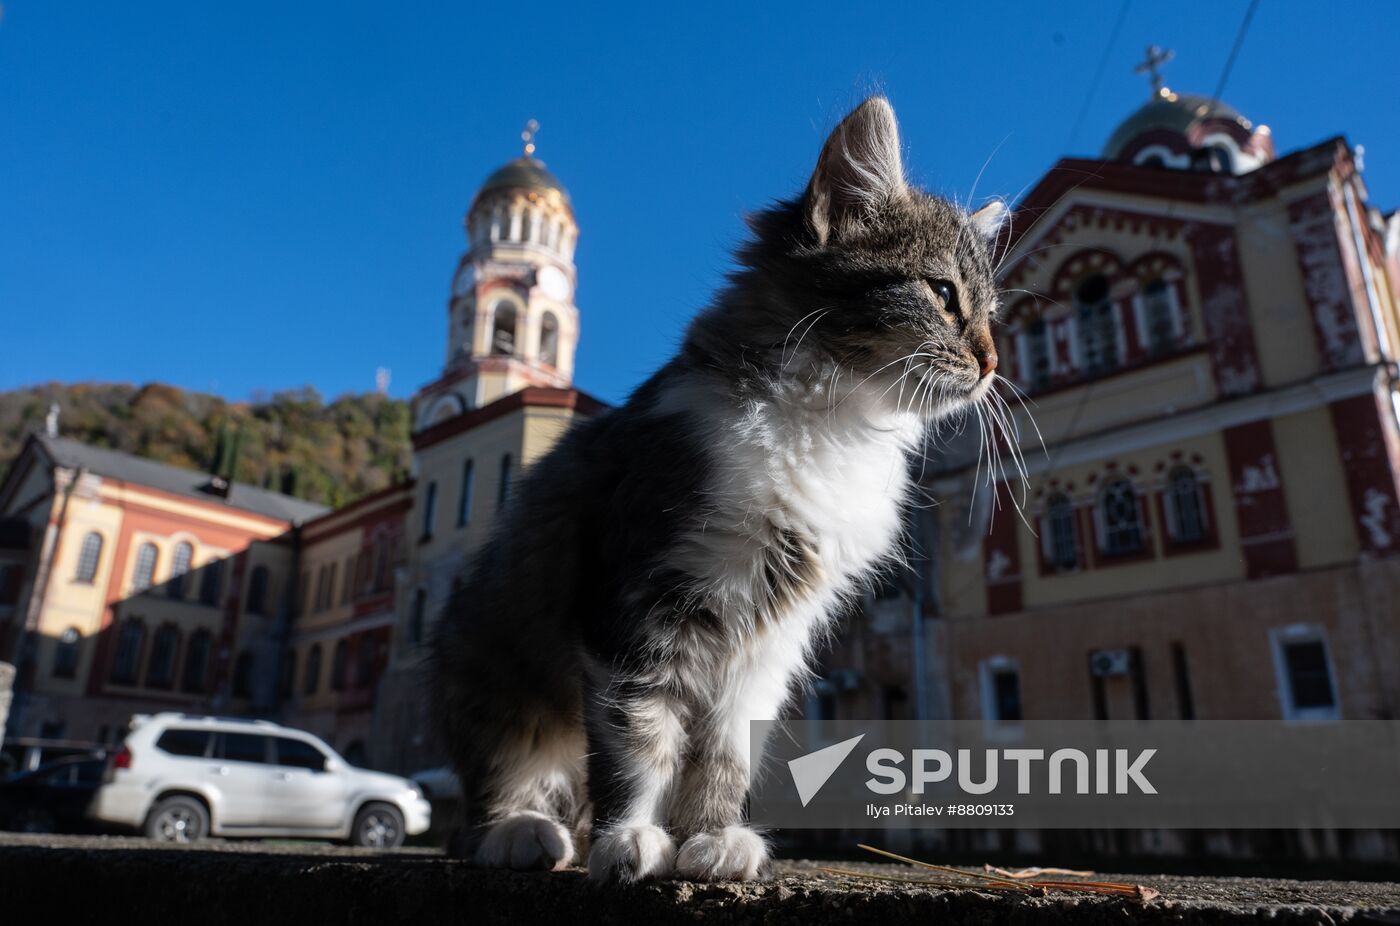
(1081, 265)
(505, 322)
(1184, 499)
(1027, 343)
(1063, 519)
(1161, 313)
(444, 407)
(1120, 515)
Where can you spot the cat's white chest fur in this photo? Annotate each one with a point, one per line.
(831, 475)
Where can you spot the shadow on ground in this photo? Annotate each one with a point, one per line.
(82, 878)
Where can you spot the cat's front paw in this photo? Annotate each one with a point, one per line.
(526, 841)
(631, 853)
(735, 853)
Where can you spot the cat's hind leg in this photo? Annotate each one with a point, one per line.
(527, 800)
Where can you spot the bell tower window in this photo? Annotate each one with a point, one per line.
(503, 329)
(549, 340)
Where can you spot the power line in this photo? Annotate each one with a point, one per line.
(1234, 51)
(1098, 73)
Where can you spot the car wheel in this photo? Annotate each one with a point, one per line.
(32, 820)
(378, 826)
(178, 819)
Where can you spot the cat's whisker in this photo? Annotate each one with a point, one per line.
(904, 377)
(820, 313)
(1014, 450)
(1021, 397)
(985, 164)
(998, 415)
(906, 359)
(977, 473)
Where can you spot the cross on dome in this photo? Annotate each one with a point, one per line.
(1152, 64)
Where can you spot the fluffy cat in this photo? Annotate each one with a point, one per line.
(661, 577)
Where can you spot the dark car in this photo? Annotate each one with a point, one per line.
(52, 798)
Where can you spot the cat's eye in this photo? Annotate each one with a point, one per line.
(945, 294)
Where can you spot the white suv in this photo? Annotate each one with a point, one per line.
(180, 777)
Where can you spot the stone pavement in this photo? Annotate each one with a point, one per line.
(77, 879)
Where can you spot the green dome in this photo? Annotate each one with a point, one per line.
(524, 174)
(1175, 112)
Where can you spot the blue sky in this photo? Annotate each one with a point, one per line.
(252, 196)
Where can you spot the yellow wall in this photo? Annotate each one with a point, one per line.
(1282, 319)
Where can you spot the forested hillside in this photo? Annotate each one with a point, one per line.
(291, 441)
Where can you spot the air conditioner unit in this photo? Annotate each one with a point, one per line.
(1107, 662)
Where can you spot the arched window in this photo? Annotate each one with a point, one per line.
(193, 679)
(1186, 512)
(1037, 341)
(340, 666)
(1097, 325)
(160, 671)
(211, 582)
(257, 591)
(243, 675)
(1159, 315)
(549, 339)
(1121, 519)
(89, 557)
(1063, 545)
(429, 510)
(503, 320)
(312, 680)
(65, 655)
(145, 572)
(464, 501)
(503, 489)
(131, 638)
(184, 554)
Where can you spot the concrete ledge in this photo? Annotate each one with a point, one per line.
(82, 878)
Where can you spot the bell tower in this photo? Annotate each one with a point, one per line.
(512, 322)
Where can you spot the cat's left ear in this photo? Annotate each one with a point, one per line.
(860, 171)
(989, 219)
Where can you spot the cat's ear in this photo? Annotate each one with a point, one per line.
(859, 172)
(989, 219)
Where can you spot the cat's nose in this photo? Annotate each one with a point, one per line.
(989, 363)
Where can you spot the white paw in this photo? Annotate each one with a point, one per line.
(526, 841)
(631, 853)
(735, 853)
